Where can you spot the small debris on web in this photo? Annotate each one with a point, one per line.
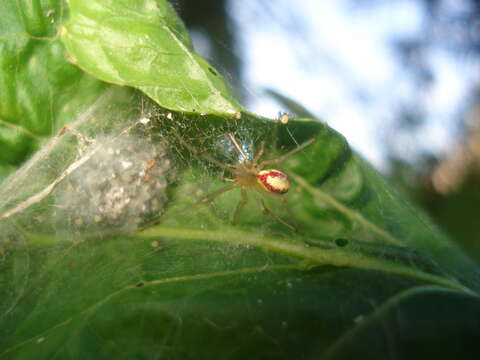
(144, 120)
(283, 117)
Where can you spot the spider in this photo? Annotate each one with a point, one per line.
(250, 174)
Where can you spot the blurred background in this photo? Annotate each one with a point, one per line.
(399, 78)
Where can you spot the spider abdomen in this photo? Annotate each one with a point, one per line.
(273, 181)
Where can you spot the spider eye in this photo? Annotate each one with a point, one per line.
(273, 181)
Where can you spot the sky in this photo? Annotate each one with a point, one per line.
(337, 59)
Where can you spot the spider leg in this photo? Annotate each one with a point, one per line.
(237, 146)
(207, 199)
(214, 194)
(260, 152)
(287, 206)
(267, 211)
(224, 178)
(241, 204)
(199, 154)
(288, 154)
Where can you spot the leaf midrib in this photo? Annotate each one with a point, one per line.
(309, 256)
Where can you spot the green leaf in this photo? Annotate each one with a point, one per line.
(196, 285)
(40, 91)
(142, 43)
(108, 248)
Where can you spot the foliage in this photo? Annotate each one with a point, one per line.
(107, 249)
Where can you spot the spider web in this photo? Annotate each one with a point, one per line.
(78, 275)
(82, 232)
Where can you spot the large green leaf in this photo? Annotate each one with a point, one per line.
(142, 43)
(107, 249)
(196, 286)
(40, 91)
